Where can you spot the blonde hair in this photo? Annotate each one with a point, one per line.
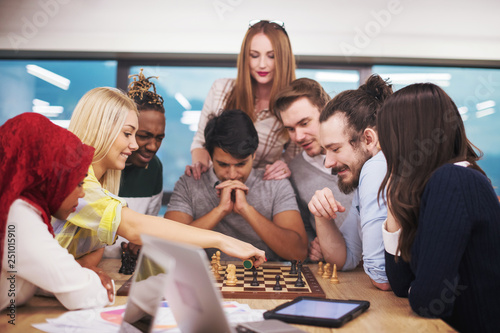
(97, 120)
(241, 96)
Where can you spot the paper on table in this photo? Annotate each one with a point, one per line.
(109, 319)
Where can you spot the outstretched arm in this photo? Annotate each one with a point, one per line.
(134, 224)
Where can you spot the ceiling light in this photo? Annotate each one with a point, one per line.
(336, 77)
(485, 105)
(48, 76)
(191, 118)
(183, 101)
(441, 79)
(485, 112)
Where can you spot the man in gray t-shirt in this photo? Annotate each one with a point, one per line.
(298, 107)
(232, 198)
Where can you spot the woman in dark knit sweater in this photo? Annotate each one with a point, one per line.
(442, 234)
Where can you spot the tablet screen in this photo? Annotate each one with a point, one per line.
(318, 309)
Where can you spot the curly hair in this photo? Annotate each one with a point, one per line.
(138, 90)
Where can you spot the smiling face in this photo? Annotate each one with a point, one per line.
(149, 137)
(301, 120)
(226, 167)
(123, 146)
(261, 59)
(345, 159)
(69, 204)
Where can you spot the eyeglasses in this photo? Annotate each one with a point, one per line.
(279, 24)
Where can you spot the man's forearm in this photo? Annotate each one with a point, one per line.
(331, 241)
(286, 243)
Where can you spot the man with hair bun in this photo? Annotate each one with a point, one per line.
(349, 135)
(233, 199)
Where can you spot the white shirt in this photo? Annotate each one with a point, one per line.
(318, 162)
(38, 261)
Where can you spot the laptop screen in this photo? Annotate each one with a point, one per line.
(145, 296)
(179, 274)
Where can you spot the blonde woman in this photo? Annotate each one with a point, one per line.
(107, 120)
(265, 65)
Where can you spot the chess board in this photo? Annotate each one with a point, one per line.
(266, 278)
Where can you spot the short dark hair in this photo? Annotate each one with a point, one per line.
(233, 132)
(360, 106)
(299, 88)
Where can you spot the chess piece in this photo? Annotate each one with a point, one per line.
(334, 278)
(215, 270)
(248, 264)
(218, 259)
(231, 275)
(326, 273)
(320, 268)
(299, 282)
(128, 260)
(254, 282)
(277, 286)
(293, 269)
(124, 259)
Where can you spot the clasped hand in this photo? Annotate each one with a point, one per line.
(232, 194)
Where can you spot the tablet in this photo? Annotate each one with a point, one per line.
(318, 311)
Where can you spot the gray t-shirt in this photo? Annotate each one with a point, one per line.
(269, 197)
(306, 180)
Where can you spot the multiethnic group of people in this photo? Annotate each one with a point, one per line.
(280, 171)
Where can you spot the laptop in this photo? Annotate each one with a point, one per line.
(179, 273)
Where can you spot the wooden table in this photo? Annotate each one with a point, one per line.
(387, 313)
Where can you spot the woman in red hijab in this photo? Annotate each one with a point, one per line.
(41, 175)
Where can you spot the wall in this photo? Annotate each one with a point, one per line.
(341, 30)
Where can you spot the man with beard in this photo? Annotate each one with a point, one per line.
(233, 199)
(349, 135)
(298, 107)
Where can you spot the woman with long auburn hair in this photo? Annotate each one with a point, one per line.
(265, 65)
(443, 227)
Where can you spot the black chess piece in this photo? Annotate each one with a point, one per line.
(129, 260)
(299, 282)
(293, 269)
(254, 282)
(277, 286)
(124, 258)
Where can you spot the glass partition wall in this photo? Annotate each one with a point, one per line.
(53, 87)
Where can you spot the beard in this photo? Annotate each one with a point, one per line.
(348, 186)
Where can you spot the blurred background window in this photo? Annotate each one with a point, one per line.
(476, 92)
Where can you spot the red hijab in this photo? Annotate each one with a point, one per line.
(41, 163)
